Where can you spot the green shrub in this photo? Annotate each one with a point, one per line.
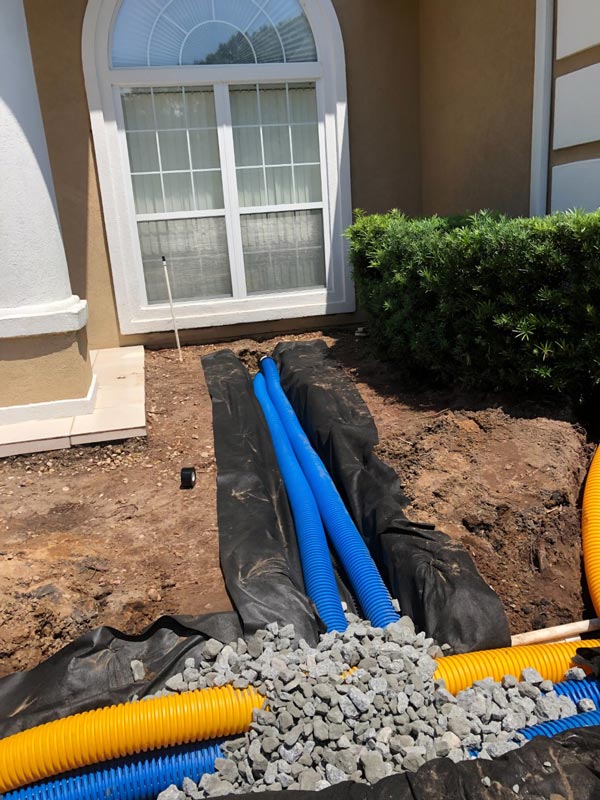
(485, 301)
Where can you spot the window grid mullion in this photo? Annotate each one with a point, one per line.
(189, 147)
(330, 273)
(289, 116)
(230, 188)
(162, 183)
(262, 143)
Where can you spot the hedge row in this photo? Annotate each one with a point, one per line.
(485, 301)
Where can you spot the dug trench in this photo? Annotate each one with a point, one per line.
(103, 534)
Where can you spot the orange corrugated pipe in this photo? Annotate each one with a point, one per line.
(590, 531)
(123, 730)
(550, 660)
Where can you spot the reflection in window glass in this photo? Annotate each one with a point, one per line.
(200, 107)
(138, 110)
(283, 250)
(174, 142)
(248, 147)
(204, 149)
(251, 187)
(197, 258)
(202, 32)
(174, 154)
(208, 190)
(273, 105)
(169, 108)
(148, 194)
(275, 127)
(143, 151)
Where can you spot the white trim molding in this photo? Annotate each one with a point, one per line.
(542, 102)
(62, 316)
(104, 85)
(55, 409)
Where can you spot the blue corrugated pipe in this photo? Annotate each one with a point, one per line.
(362, 572)
(312, 544)
(579, 690)
(127, 779)
(554, 727)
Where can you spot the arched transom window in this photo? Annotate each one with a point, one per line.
(157, 33)
(220, 134)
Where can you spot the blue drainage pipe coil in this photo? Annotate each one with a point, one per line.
(579, 690)
(127, 779)
(317, 569)
(554, 727)
(362, 572)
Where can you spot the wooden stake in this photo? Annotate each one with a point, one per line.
(168, 282)
(558, 633)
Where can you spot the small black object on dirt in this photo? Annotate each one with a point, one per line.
(188, 478)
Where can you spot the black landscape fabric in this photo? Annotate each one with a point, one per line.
(257, 539)
(432, 576)
(545, 769)
(95, 669)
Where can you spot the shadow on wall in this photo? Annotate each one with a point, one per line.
(27, 348)
(17, 109)
(59, 77)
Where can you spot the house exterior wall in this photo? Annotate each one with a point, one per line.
(43, 345)
(55, 36)
(381, 38)
(476, 95)
(382, 57)
(43, 369)
(440, 110)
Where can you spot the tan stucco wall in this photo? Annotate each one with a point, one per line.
(477, 61)
(381, 39)
(55, 37)
(40, 369)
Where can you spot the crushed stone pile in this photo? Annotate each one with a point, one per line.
(360, 706)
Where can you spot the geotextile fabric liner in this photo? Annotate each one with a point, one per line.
(432, 576)
(257, 539)
(95, 669)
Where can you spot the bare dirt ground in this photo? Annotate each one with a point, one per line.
(102, 535)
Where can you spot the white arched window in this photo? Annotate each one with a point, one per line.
(221, 142)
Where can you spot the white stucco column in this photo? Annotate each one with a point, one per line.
(35, 291)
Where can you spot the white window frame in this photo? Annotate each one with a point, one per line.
(104, 85)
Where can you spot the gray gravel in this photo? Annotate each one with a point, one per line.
(324, 726)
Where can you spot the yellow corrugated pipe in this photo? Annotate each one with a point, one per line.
(590, 531)
(550, 660)
(123, 730)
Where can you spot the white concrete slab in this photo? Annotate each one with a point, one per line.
(35, 436)
(119, 411)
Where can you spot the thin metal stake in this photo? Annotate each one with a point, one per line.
(168, 282)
